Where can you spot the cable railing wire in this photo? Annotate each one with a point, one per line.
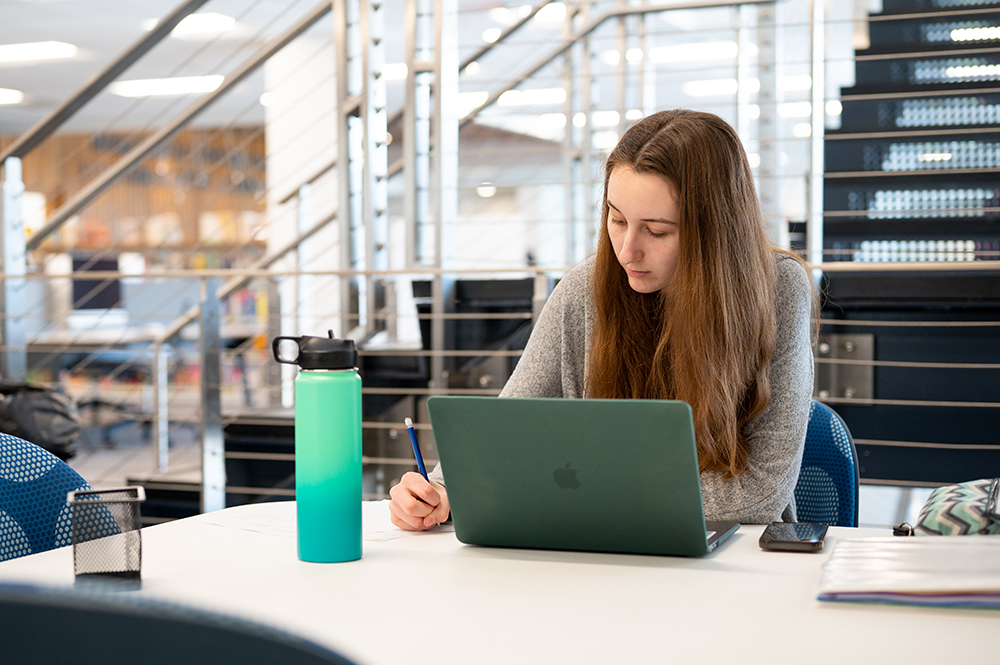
(173, 104)
(245, 346)
(203, 244)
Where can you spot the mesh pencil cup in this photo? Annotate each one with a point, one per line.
(106, 537)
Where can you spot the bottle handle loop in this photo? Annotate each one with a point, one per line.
(277, 353)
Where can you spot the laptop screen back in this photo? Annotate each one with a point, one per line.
(573, 474)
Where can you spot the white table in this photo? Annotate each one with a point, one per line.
(426, 598)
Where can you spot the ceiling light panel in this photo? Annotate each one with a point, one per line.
(694, 52)
(554, 12)
(181, 85)
(532, 96)
(197, 26)
(8, 96)
(37, 51)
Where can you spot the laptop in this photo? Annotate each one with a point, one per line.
(574, 474)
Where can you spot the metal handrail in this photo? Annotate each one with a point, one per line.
(503, 36)
(238, 281)
(50, 123)
(870, 323)
(616, 12)
(952, 14)
(151, 144)
(567, 43)
(396, 117)
(249, 273)
(909, 266)
(227, 289)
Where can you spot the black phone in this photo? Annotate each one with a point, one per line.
(793, 536)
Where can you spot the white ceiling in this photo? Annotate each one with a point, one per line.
(103, 29)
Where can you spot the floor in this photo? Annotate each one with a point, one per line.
(885, 506)
(107, 458)
(105, 462)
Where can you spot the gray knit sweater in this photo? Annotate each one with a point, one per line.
(554, 364)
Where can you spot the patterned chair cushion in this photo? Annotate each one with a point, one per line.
(827, 489)
(34, 515)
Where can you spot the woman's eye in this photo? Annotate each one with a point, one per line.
(617, 221)
(655, 234)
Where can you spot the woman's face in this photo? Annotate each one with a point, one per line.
(642, 225)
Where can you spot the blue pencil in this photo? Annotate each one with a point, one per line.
(416, 449)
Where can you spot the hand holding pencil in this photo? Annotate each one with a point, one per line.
(418, 503)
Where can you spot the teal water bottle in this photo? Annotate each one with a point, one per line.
(327, 447)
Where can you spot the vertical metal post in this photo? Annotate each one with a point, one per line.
(362, 155)
(14, 359)
(390, 309)
(570, 154)
(814, 227)
(161, 420)
(650, 99)
(439, 377)
(417, 132)
(621, 83)
(444, 171)
(213, 462)
(287, 295)
(585, 227)
(273, 368)
(744, 25)
(375, 156)
(770, 132)
(431, 198)
(539, 294)
(346, 42)
(304, 306)
(642, 101)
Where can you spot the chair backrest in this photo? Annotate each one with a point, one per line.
(102, 626)
(827, 490)
(34, 515)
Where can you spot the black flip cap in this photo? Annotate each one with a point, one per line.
(322, 353)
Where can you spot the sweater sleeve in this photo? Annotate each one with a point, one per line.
(554, 361)
(765, 492)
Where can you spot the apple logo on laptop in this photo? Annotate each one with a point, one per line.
(566, 478)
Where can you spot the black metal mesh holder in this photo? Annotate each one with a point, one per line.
(107, 541)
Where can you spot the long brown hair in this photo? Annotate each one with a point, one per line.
(709, 336)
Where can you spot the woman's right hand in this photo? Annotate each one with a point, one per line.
(418, 504)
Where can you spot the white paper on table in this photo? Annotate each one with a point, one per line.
(274, 523)
(377, 526)
(375, 523)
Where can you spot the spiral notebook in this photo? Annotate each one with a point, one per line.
(943, 571)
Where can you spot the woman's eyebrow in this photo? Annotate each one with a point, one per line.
(653, 221)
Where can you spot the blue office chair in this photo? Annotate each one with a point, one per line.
(102, 625)
(34, 515)
(827, 490)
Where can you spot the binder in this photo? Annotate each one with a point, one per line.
(945, 571)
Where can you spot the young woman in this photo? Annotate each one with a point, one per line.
(684, 299)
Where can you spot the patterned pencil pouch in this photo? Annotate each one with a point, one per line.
(962, 509)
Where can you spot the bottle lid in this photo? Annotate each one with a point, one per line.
(326, 353)
(321, 353)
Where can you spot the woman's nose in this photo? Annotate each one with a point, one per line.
(631, 248)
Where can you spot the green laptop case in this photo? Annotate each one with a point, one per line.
(571, 474)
